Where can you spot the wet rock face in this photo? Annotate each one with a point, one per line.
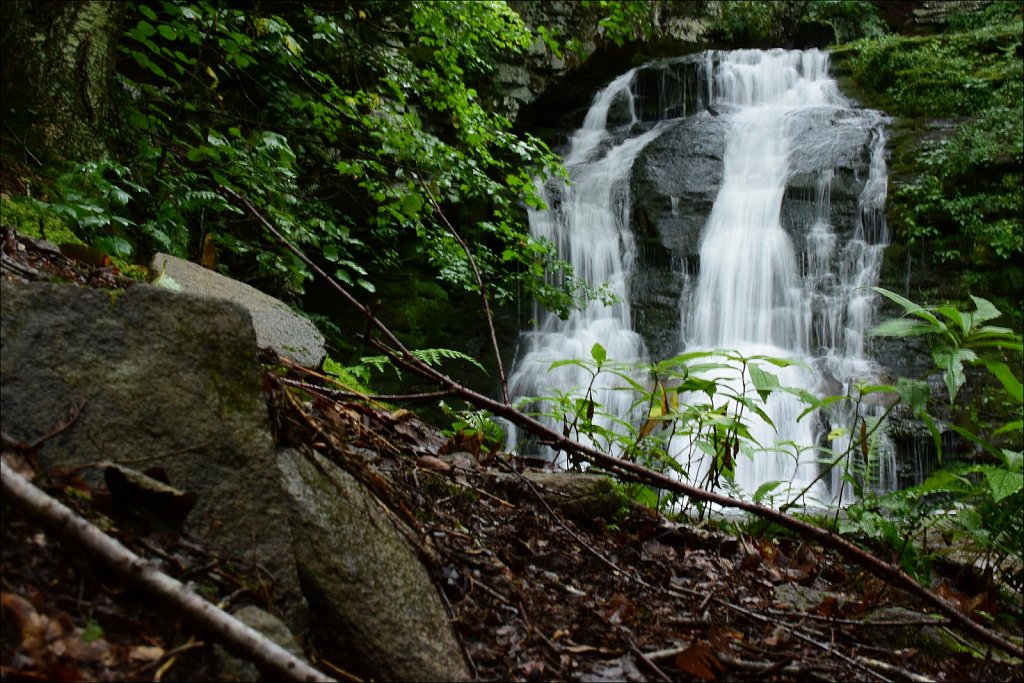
(676, 178)
(674, 183)
(544, 87)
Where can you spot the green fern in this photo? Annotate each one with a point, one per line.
(432, 357)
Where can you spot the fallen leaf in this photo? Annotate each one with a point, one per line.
(430, 462)
(699, 660)
(209, 257)
(777, 638)
(31, 625)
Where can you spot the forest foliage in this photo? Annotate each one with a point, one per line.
(961, 194)
(352, 126)
(373, 135)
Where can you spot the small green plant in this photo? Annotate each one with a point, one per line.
(432, 357)
(349, 378)
(694, 417)
(473, 429)
(697, 411)
(958, 338)
(976, 505)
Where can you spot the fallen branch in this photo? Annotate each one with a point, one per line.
(68, 526)
(629, 471)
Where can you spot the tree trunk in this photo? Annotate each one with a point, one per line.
(58, 62)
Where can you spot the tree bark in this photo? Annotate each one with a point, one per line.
(58, 66)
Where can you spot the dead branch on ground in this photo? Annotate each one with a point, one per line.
(62, 522)
(400, 354)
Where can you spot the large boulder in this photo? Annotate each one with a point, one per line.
(164, 379)
(290, 334)
(370, 596)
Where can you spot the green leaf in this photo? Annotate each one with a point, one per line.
(411, 205)
(903, 327)
(1006, 377)
(433, 357)
(597, 352)
(764, 382)
(145, 29)
(1015, 426)
(167, 32)
(836, 433)
(911, 308)
(1003, 482)
(951, 361)
(707, 386)
(914, 393)
(985, 311)
(943, 480)
(764, 489)
(92, 631)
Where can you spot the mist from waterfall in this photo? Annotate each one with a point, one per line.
(767, 283)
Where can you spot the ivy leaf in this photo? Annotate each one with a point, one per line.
(168, 32)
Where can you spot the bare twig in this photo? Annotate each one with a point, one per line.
(893, 669)
(375, 398)
(73, 412)
(480, 284)
(629, 471)
(67, 525)
(649, 662)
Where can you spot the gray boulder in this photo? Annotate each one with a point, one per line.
(165, 379)
(277, 326)
(231, 668)
(369, 595)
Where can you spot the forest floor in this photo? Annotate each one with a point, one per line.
(535, 593)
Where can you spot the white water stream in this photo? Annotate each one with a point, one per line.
(588, 223)
(763, 287)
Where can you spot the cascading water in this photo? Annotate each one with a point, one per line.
(588, 223)
(781, 270)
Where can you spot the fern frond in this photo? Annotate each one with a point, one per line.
(434, 357)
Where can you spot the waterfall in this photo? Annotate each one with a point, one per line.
(749, 296)
(782, 269)
(588, 222)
